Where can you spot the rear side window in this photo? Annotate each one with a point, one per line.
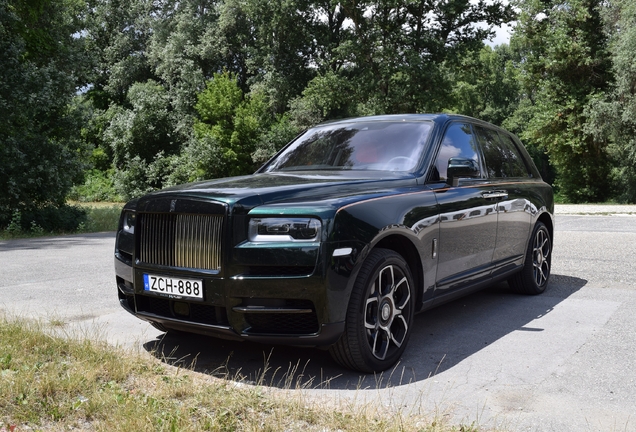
(459, 141)
(501, 155)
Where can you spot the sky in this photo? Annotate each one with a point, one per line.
(502, 35)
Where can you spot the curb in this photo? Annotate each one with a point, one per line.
(595, 209)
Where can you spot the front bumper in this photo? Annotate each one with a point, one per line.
(289, 310)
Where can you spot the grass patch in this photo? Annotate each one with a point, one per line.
(99, 217)
(54, 383)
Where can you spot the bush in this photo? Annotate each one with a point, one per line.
(64, 218)
(100, 219)
(97, 187)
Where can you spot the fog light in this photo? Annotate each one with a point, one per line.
(180, 308)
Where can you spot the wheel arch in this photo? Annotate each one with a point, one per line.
(547, 220)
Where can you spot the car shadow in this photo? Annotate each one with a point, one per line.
(442, 338)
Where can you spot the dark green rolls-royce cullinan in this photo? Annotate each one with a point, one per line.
(342, 237)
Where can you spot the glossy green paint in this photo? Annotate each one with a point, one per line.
(448, 236)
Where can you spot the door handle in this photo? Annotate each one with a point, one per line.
(495, 195)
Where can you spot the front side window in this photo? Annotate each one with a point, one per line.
(459, 142)
(383, 146)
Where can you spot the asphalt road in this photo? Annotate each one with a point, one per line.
(562, 361)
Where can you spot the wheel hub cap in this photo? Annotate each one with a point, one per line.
(386, 312)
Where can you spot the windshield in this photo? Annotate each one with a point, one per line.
(383, 146)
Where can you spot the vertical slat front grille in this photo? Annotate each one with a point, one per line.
(181, 240)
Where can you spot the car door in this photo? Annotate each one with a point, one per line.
(468, 216)
(511, 184)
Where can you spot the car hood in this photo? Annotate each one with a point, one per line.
(297, 187)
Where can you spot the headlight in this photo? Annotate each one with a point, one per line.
(284, 229)
(128, 222)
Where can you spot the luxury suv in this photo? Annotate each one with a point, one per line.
(343, 236)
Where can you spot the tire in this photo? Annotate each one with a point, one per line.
(535, 274)
(379, 315)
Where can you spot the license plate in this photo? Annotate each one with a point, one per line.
(173, 287)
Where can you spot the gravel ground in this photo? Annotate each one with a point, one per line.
(595, 209)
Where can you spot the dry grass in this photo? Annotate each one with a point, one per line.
(96, 204)
(101, 217)
(56, 383)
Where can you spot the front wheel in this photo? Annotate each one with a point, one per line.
(533, 277)
(379, 316)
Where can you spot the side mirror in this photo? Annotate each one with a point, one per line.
(461, 167)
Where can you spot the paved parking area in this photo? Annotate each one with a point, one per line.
(562, 361)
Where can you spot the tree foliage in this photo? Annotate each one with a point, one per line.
(117, 37)
(240, 77)
(392, 56)
(565, 66)
(486, 85)
(240, 130)
(41, 66)
(613, 114)
(148, 93)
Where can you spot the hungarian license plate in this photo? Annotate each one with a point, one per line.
(173, 287)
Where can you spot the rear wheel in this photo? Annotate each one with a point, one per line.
(535, 274)
(379, 316)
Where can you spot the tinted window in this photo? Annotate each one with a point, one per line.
(384, 146)
(517, 166)
(501, 156)
(458, 141)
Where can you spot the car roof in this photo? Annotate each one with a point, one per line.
(438, 118)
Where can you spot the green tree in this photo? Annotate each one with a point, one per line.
(236, 132)
(117, 35)
(180, 55)
(614, 114)
(565, 66)
(271, 44)
(145, 128)
(291, 63)
(140, 136)
(486, 85)
(285, 42)
(42, 64)
(394, 55)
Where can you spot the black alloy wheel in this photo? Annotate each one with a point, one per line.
(535, 274)
(379, 316)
